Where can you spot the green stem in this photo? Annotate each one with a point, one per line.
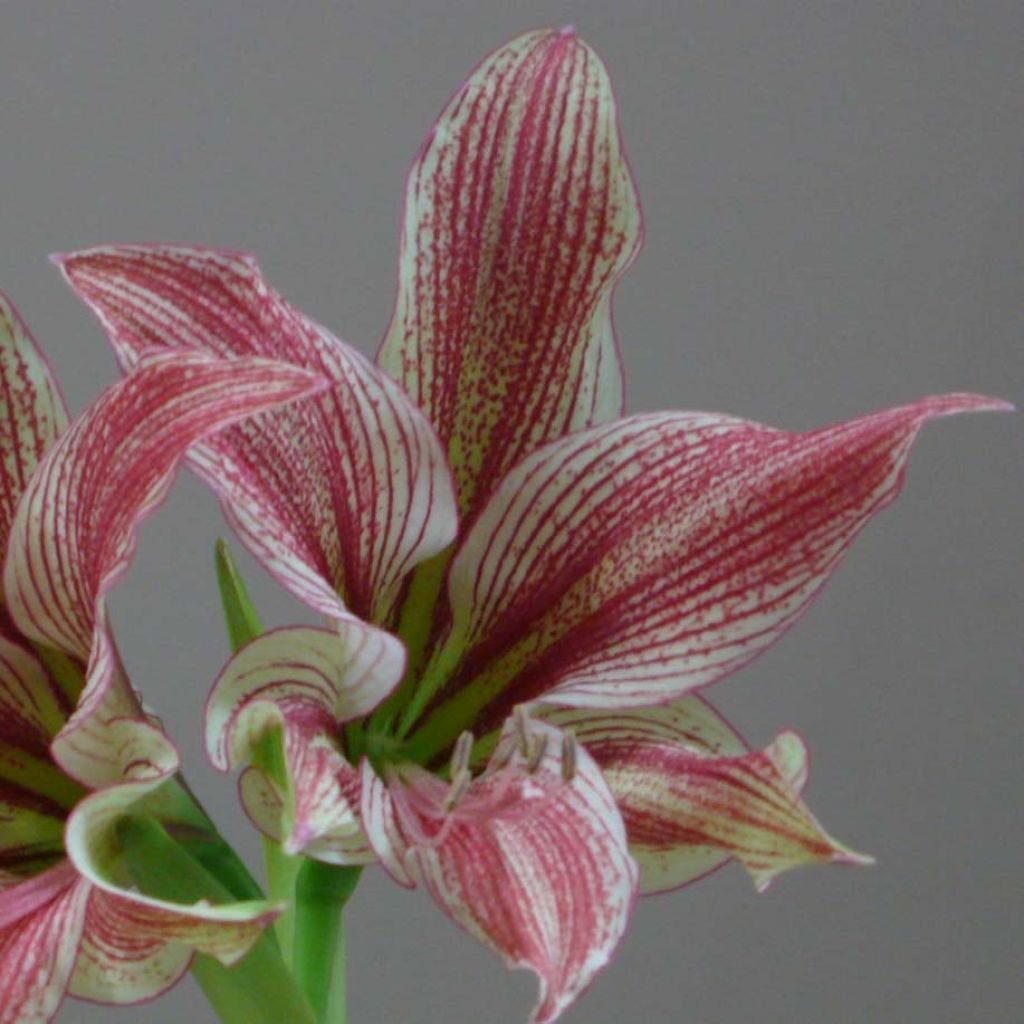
(258, 989)
(415, 622)
(318, 960)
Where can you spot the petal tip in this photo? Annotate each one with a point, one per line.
(844, 855)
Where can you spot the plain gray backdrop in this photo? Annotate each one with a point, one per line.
(833, 202)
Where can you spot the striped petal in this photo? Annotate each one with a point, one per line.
(132, 926)
(530, 858)
(520, 217)
(693, 796)
(340, 495)
(74, 532)
(40, 930)
(119, 959)
(32, 411)
(306, 683)
(629, 564)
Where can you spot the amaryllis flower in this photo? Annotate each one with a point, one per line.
(523, 588)
(71, 499)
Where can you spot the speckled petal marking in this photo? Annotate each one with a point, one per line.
(631, 563)
(520, 217)
(341, 495)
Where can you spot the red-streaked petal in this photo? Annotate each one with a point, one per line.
(224, 931)
(119, 960)
(75, 529)
(340, 495)
(32, 411)
(531, 865)
(631, 563)
(692, 796)
(32, 706)
(38, 946)
(306, 682)
(520, 217)
(380, 823)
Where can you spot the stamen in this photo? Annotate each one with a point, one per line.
(569, 755)
(538, 744)
(460, 754)
(456, 791)
(522, 724)
(501, 757)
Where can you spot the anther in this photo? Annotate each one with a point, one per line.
(569, 755)
(522, 725)
(460, 754)
(456, 791)
(538, 744)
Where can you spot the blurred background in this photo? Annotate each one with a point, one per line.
(834, 213)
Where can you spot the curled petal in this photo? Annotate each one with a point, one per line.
(306, 682)
(125, 915)
(380, 822)
(531, 863)
(340, 495)
(33, 411)
(75, 529)
(41, 924)
(520, 217)
(631, 563)
(692, 795)
(120, 960)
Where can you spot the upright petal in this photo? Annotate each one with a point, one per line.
(692, 795)
(631, 563)
(32, 411)
(40, 931)
(520, 217)
(75, 528)
(340, 495)
(307, 683)
(530, 858)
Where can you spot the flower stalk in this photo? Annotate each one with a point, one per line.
(243, 625)
(319, 955)
(258, 989)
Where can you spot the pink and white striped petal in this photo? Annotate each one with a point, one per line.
(631, 563)
(530, 858)
(75, 529)
(40, 929)
(32, 410)
(119, 960)
(693, 796)
(32, 705)
(520, 217)
(224, 931)
(341, 495)
(305, 682)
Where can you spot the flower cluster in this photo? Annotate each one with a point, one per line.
(522, 588)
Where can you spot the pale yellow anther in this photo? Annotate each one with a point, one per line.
(461, 753)
(569, 755)
(457, 790)
(538, 744)
(522, 725)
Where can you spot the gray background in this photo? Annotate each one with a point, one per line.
(834, 224)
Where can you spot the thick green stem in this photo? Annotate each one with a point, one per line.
(258, 989)
(318, 959)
